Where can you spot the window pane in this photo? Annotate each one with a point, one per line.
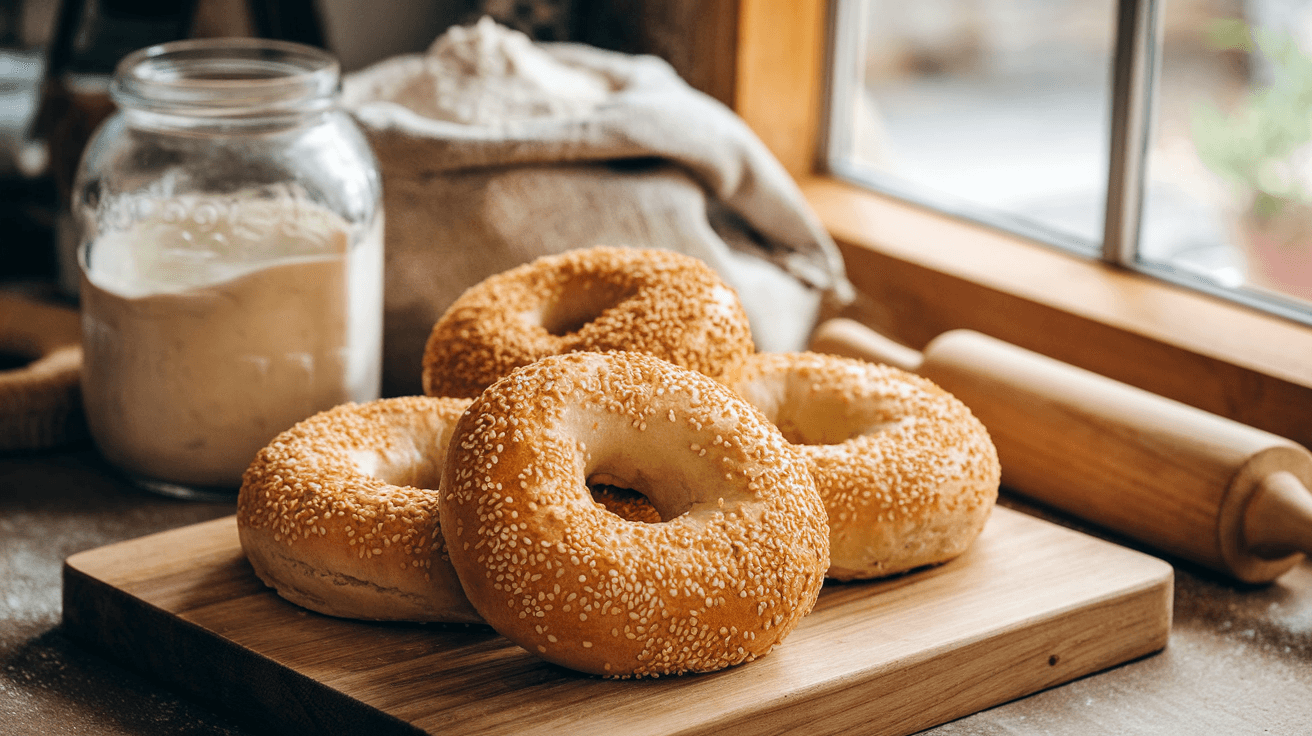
(993, 108)
(1229, 191)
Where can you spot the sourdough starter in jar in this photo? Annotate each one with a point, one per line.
(230, 240)
(199, 365)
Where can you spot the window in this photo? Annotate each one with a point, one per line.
(1228, 185)
(993, 110)
(925, 267)
(1008, 111)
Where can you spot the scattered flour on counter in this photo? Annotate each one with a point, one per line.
(482, 75)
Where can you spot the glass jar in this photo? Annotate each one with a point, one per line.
(230, 244)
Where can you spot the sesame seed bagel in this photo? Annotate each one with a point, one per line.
(737, 561)
(339, 513)
(650, 301)
(908, 475)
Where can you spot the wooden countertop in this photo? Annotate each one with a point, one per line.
(1239, 659)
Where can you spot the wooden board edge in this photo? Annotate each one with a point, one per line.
(963, 688)
(91, 562)
(204, 666)
(258, 690)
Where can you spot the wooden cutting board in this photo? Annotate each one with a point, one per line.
(1031, 605)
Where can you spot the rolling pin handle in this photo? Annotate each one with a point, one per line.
(1248, 486)
(851, 339)
(1278, 521)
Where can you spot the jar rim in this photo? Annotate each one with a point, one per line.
(227, 77)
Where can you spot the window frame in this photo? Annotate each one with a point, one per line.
(921, 272)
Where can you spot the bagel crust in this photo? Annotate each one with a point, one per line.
(908, 475)
(597, 299)
(738, 560)
(339, 513)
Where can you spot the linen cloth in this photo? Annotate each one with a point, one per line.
(640, 159)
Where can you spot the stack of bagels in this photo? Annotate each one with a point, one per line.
(606, 472)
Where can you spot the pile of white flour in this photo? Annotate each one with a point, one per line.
(482, 75)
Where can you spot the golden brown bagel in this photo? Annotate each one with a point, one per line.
(738, 560)
(657, 302)
(339, 513)
(908, 474)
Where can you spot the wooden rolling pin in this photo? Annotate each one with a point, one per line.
(1187, 482)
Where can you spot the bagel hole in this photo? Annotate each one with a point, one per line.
(580, 303)
(401, 467)
(625, 503)
(806, 415)
(821, 423)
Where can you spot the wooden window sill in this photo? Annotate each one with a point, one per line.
(921, 273)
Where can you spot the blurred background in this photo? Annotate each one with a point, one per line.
(56, 58)
(997, 110)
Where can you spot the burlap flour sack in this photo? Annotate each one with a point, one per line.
(495, 150)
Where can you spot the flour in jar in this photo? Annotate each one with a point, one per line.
(484, 74)
(209, 327)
